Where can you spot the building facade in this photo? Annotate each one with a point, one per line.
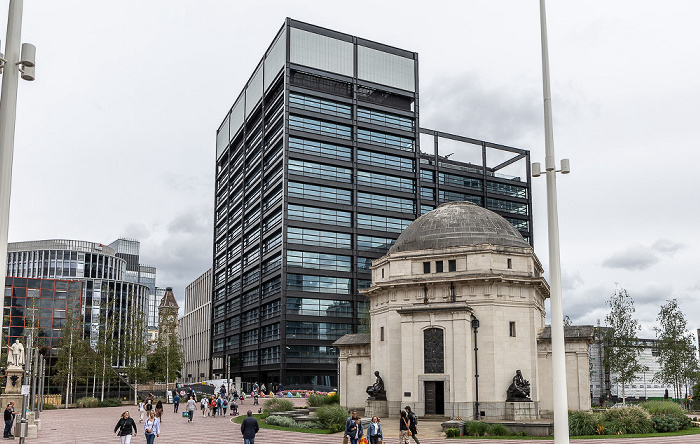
(105, 290)
(194, 329)
(320, 164)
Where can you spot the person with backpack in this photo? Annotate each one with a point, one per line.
(224, 405)
(412, 423)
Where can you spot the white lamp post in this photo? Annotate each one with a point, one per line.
(12, 65)
(561, 414)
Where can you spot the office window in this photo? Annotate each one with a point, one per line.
(451, 196)
(374, 243)
(384, 160)
(383, 139)
(319, 105)
(363, 263)
(508, 207)
(384, 119)
(307, 236)
(427, 175)
(321, 149)
(320, 127)
(319, 215)
(438, 266)
(320, 171)
(511, 329)
(507, 189)
(319, 261)
(270, 332)
(459, 181)
(385, 181)
(317, 192)
(452, 265)
(426, 267)
(382, 223)
(388, 203)
(318, 284)
(319, 307)
(519, 224)
(323, 331)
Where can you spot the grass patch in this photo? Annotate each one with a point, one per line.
(264, 425)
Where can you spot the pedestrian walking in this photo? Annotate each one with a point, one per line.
(224, 405)
(9, 416)
(159, 411)
(254, 394)
(151, 428)
(176, 402)
(219, 405)
(249, 428)
(234, 407)
(412, 424)
(204, 403)
(191, 407)
(142, 410)
(351, 425)
(374, 431)
(125, 428)
(403, 428)
(149, 407)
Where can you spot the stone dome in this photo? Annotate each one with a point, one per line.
(458, 224)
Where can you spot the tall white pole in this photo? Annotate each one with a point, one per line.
(561, 414)
(8, 115)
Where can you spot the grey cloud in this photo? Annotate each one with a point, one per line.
(570, 279)
(641, 257)
(463, 104)
(636, 257)
(651, 293)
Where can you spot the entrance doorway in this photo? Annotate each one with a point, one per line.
(434, 397)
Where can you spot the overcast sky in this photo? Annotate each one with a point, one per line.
(116, 137)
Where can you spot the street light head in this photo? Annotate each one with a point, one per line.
(536, 169)
(28, 73)
(28, 55)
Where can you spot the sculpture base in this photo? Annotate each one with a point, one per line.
(16, 373)
(374, 407)
(521, 411)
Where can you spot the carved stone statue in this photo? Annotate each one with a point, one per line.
(519, 389)
(376, 391)
(15, 354)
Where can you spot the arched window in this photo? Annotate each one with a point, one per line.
(433, 350)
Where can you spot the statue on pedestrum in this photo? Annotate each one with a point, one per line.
(519, 389)
(376, 391)
(15, 354)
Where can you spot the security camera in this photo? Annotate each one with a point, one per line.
(28, 73)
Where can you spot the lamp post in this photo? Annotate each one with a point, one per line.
(560, 405)
(11, 64)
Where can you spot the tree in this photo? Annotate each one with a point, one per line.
(135, 345)
(166, 361)
(675, 347)
(72, 363)
(105, 342)
(622, 349)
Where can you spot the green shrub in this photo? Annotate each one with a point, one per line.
(110, 402)
(498, 430)
(330, 415)
(521, 433)
(310, 425)
(277, 405)
(475, 428)
(628, 420)
(452, 433)
(283, 421)
(662, 407)
(335, 428)
(667, 415)
(583, 423)
(87, 402)
(319, 400)
(666, 423)
(49, 407)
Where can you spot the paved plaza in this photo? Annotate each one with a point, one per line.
(88, 426)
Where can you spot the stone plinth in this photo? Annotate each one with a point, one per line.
(453, 424)
(13, 384)
(521, 411)
(376, 408)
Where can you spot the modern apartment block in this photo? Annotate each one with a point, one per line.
(194, 329)
(320, 164)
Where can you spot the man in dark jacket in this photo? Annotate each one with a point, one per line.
(412, 423)
(9, 417)
(249, 428)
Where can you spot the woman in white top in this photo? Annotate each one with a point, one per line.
(151, 428)
(142, 410)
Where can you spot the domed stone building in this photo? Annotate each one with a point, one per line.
(456, 309)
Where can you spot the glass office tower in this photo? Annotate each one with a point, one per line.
(319, 167)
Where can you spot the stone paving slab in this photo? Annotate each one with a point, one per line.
(89, 426)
